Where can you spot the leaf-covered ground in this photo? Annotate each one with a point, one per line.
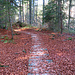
(14, 54)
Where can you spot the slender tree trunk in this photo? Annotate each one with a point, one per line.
(19, 10)
(6, 15)
(43, 10)
(59, 21)
(69, 14)
(10, 20)
(33, 11)
(9, 11)
(61, 17)
(30, 11)
(27, 13)
(23, 10)
(11, 27)
(36, 15)
(63, 1)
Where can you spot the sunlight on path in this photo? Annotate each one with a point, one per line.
(39, 62)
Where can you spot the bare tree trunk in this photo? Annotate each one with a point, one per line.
(19, 10)
(61, 18)
(60, 15)
(59, 21)
(27, 14)
(11, 27)
(23, 10)
(69, 14)
(10, 20)
(30, 11)
(36, 15)
(6, 15)
(33, 11)
(9, 13)
(43, 10)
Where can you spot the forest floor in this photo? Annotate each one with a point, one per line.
(14, 54)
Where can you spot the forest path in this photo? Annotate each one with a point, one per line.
(39, 62)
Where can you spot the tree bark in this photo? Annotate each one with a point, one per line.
(23, 10)
(43, 10)
(30, 11)
(33, 11)
(20, 10)
(69, 14)
(59, 21)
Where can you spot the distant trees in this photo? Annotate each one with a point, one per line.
(51, 15)
(8, 7)
(59, 13)
(27, 11)
(54, 14)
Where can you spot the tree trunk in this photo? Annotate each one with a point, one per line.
(61, 18)
(69, 14)
(36, 15)
(43, 10)
(30, 11)
(20, 10)
(6, 15)
(33, 11)
(59, 21)
(11, 27)
(60, 15)
(10, 20)
(23, 10)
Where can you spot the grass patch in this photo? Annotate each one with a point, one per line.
(69, 38)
